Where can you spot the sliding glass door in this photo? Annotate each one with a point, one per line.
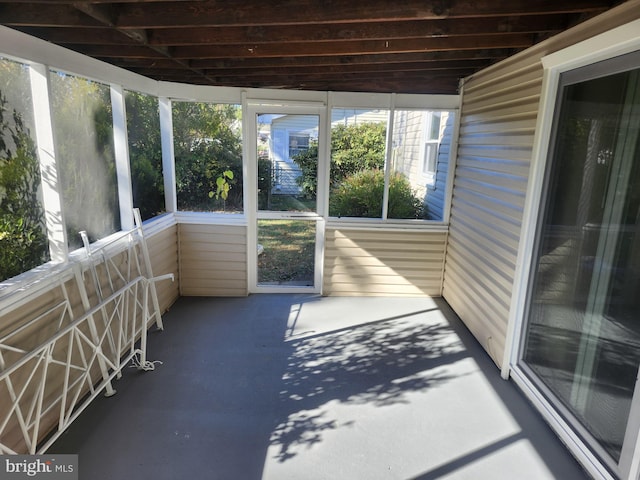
(582, 340)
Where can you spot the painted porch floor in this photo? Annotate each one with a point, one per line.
(305, 387)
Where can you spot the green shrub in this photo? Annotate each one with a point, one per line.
(361, 195)
(353, 148)
(356, 147)
(23, 240)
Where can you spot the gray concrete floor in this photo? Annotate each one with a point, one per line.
(304, 387)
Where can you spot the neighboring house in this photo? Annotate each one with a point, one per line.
(421, 152)
(290, 135)
(421, 148)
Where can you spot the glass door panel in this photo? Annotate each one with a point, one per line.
(287, 162)
(583, 333)
(286, 256)
(287, 222)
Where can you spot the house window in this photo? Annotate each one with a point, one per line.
(582, 337)
(23, 238)
(208, 154)
(83, 131)
(145, 154)
(431, 141)
(298, 143)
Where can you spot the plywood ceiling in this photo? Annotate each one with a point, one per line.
(408, 46)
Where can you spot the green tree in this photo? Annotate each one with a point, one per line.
(357, 175)
(23, 241)
(353, 148)
(207, 143)
(145, 153)
(356, 147)
(83, 127)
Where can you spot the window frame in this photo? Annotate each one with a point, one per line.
(41, 56)
(399, 103)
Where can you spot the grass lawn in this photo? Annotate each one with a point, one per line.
(289, 252)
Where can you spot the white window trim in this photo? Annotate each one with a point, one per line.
(121, 151)
(42, 56)
(615, 42)
(45, 144)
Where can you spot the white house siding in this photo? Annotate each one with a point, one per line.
(370, 262)
(213, 260)
(499, 113)
(436, 192)
(408, 136)
(357, 116)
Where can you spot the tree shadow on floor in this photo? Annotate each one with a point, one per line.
(378, 364)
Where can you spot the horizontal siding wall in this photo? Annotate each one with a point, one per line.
(370, 262)
(436, 200)
(213, 260)
(498, 124)
(163, 251)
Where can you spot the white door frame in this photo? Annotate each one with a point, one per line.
(618, 41)
(251, 184)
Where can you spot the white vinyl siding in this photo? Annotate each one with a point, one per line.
(385, 263)
(498, 124)
(213, 260)
(163, 252)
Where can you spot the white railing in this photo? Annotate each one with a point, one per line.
(54, 364)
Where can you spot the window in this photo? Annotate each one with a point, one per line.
(145, 154)
(298, 143)
(432, 130)
(358, 149)
(582, 335)
(23, 238)
(362, 177)
(208, 153)
(83, 130)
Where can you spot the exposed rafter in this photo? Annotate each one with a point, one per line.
(361, 45)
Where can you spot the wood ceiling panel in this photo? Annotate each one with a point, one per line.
(408, 46)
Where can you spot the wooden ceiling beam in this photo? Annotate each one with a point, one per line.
(87, 36)
(511, 41)
(166, 37)
(253, 63)
(356, 47)
(44, 15)
(211, 13)
(471, 66)
(357, 31)
(445, 66)
(309, 12)
(402, 84)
